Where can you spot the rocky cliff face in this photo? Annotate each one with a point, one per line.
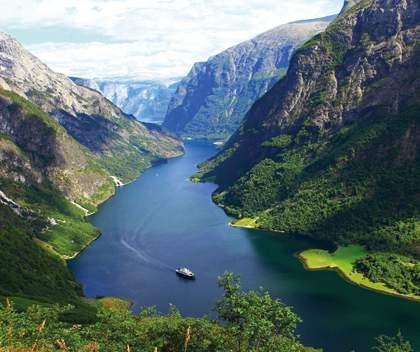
(124, 145)
(146, 100)
(36, 149)
(333, 148)
(212, 100)
(43, 171)
(347, 5)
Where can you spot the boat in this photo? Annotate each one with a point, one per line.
(185, 272)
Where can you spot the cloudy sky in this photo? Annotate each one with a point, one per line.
(147, 39)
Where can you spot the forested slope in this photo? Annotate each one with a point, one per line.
(333, 150)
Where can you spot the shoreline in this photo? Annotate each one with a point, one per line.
(113, 302)
(250, 227)
(386, 290)
(249, 224)
(66, 259)
(365, 284)
(88, 214)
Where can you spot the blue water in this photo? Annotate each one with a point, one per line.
(162, 221)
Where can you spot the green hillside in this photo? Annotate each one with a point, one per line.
(341, 162)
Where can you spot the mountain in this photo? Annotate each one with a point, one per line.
(62, 150)
(124, 145)
(212, 100)
(348, 4)
(42, 171)
(333, 149)
(146, 100)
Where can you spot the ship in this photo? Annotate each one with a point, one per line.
(185, 272)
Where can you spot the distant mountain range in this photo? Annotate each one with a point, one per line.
(212, 100)
(146, 100)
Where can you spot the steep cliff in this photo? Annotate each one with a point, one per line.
(51, 154)
(212, 100)
(42, 171)
(332, 150)
(347, 5)
(124, 145)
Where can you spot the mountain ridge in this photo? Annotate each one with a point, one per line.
(332, 150)
(86, 114)
(211, 101)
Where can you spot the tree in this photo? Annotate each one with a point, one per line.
(393, 344)
(258, 321)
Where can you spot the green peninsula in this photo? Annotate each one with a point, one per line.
(343, 260)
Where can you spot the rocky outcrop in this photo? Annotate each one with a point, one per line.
(212, 100)
(146, 100)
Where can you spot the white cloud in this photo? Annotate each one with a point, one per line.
(115, 59)
(149, 39)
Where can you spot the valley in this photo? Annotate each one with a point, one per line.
(283, 171)
(177, 224)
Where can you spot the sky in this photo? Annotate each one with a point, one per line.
(144, 39)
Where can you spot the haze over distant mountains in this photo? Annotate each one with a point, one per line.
(212, 100)
(146, 100)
